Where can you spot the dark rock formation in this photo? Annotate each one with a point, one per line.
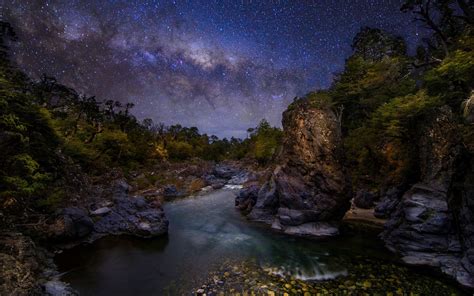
(131, 215)
(433, 223)
(123, 214)
(72, 224)
(170, 191)
(308, 191)
(364, 199)
(247, 198)
(388, 203)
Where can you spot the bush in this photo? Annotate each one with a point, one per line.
(179, 150)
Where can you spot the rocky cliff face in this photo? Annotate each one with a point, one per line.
(433, 223)
(308, 192)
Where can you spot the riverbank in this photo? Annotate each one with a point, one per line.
(110, 205)
(211, 248)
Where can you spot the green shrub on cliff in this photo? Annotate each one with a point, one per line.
(265, 141)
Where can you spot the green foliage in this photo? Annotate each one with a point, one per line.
(180, 150)
(365, 85)
(382, 149)
(265, 141)
(27, 140)
(384, 99)
(453, 79)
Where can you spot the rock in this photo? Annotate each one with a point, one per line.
(100, 211)
(310, 184)
(171, 191)
(133, 216)
(72, 223)
(364, 199)
(218, 185)
(223, 171)
(120, 188)
(388, 203)
(433, 223)
(247, 198)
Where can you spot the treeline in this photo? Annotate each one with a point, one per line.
(383, 95)
(47, 128)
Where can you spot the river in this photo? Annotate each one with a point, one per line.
(204, 232)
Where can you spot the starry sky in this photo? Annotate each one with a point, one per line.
(219, 65)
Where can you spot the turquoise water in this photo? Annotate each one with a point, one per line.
(205, 231)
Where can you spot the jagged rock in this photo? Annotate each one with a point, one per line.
(72, 223)
(364, 199)
(388, 203)
(120, 188)
(223, 171)
(310, 184)
(134, 216)
(433, 223)
(247, 198)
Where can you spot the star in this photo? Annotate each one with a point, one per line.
(219, 65)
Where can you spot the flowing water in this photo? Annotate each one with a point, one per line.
(204, 232)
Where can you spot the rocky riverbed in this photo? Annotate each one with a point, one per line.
(364, 277)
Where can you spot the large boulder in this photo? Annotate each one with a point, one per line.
(131, 215)
(309, 189)
(433, 222)
(73, 223)
(388, 203)
(119, 214)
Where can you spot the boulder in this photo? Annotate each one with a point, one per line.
(224, 171)
(247, 198)
(171, 191)
(133, 216)
(310, 184)
(433, 222)
(73, 223)
(388, 203)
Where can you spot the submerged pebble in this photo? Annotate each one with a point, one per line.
(365, 277)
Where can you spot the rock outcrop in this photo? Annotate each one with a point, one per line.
(120, 214)
(433, 222)
(308, 192)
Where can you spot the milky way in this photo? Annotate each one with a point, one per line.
(219, 65)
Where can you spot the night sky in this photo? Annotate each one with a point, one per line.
(219, 65)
